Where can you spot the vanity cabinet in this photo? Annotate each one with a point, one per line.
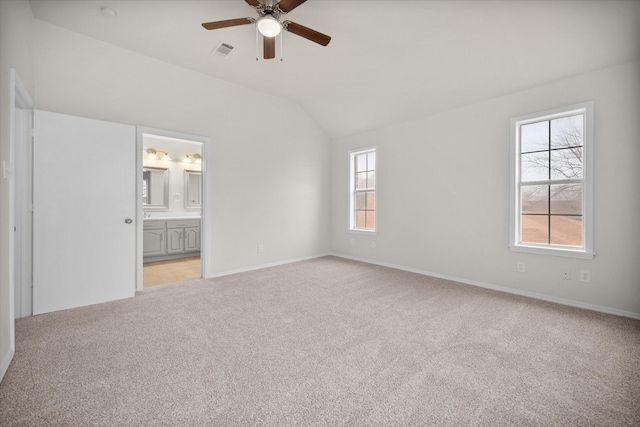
(183, 239)
(192, 239)
(172, 238)
(153, 239)
(183, 236)
(175, 241)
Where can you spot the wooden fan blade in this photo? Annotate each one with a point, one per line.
(227, 23)
(307, 33)
(253, 3)
(288, 5)
(269, 47)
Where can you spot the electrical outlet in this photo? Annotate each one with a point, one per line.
(566, 275)
(373, 245)
(585, 276)
(352, 241)
(520, 267)
(260, 248)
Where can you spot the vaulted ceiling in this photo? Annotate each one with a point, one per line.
(388, 61)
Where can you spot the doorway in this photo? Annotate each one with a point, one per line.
(172, 205)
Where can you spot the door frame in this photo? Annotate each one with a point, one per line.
(20, 99)
(205, 205)
(22, 197)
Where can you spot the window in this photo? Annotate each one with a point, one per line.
(551, 197)
(363, 190)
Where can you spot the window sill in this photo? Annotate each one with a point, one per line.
(365, 232)
(569, 253)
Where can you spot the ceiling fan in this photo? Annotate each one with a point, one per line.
(268, 24)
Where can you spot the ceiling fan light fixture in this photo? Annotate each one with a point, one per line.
(268, 26)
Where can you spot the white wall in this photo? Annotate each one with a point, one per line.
(443, 197)
(269, 177)
(16, 51)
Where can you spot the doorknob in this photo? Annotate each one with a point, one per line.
(128, 220)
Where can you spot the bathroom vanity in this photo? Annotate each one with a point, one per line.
(169, 238)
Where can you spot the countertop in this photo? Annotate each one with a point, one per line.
(167, 218)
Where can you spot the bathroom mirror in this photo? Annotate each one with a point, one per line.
(155, 189)
(192, 190)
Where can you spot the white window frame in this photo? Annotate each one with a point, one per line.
(352, 190)
(515, 243)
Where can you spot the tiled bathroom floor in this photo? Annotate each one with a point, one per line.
(175, 270)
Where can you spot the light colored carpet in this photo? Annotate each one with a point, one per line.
(323, 342)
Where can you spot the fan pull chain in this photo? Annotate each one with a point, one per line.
(257, 41)
(281, 36)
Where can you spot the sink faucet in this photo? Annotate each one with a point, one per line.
(147, 215)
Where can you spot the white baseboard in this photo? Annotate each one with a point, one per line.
(261, 266)
(534, 295)
(6, 360)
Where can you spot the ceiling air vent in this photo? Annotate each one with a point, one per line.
(223, 49)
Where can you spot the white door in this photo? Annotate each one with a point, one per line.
(84, 196)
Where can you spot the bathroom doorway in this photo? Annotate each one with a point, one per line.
(172, 205)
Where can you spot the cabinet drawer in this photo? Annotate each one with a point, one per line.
(153, 225)
(182, 223)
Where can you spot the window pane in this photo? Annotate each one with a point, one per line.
(566, 199)
(361, 163)
(567, 132)
(361, 180)
(566, 230)
(535, 228)
(534, 137)
(371, 200)
(566, 163)
(371, 161)
(535, 199)
(371, 219)
(535, 166)
(371, 180)
(360, 200)
(360, 219)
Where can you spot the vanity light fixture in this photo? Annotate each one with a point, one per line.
(153, 154)
(193, 158)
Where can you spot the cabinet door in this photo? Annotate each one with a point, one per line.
(175, 242)
(153, 243)
(192, 239)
